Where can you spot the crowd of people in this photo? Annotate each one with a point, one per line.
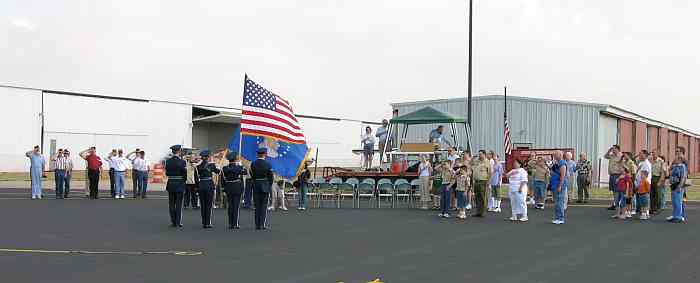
(461, 183)
(638, 183)
(61, 165)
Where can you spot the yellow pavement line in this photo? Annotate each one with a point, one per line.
(175, 253)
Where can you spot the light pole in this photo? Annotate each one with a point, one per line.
(469, 76)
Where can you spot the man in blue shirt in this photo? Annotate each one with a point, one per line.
(437, 136)
(382, 136)
(559, 185)
(571, 176)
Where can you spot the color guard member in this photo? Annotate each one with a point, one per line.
(177, 173)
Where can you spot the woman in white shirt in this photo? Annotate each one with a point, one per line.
(517, 179)
(367, 148)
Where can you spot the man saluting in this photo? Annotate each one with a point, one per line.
(175, 169)
(261, 173)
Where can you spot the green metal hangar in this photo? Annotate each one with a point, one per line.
(544, 123)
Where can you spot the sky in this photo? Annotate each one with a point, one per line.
(351, 59)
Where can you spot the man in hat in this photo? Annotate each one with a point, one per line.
(261, 173)
(205, 171)
(177, 173)
(233, 186)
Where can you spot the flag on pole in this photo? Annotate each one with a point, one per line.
(507, 145)
(268, 121)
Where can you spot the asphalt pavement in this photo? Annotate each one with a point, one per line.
(334, 245)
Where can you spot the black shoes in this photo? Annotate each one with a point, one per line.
(233, 227)
(207, 226)
(612, 207)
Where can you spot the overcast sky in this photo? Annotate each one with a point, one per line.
(351, 59)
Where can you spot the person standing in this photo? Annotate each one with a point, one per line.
(658, 176)
(59, 165)
(176, 171)
(517, 184)
(677, 179)
(94, 164)
(630, 165)
(584, 169)
(69, 173)
(559, 185)
(277, 196)
(615, 168)
(382, 136)
(540, 174)
(37, 163)
(233, 186)
(645, 168)
(139, 171)
(203, 174)
(367, 148)
(112, 180)
(571, 175)
(191, 185)
(119, 163)
(262, 178)
(482, 172)
(463, 182)
(496, 182)
(425, 170)
(134, 176)
(304, 185)
(446, 175)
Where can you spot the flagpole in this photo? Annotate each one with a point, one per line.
(240, 133)
(505, 120)
(469, 67)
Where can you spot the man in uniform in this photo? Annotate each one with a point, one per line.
(482, 172)
(658, 176)
(205, 171)
(614, 157)
(190, 184)
(233, 186)
(261, 174)
(177, 173)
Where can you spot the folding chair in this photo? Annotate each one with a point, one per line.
(402, 188)
(313, 193)
(354, 182)
(385, 188)
(365, 189)
(415, 190)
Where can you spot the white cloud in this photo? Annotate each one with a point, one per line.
(24, 24)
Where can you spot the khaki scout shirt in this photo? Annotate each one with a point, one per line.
(614, 164)
(631, 166)
(463, 182)
(541, 173)
(482, 170)
(657, 169)
(446, 175)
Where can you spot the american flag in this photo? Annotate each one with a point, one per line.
(268, 114)
(507, 145)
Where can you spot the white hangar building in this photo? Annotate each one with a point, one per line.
(58, 119)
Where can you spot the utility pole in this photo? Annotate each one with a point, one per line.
(469, 78)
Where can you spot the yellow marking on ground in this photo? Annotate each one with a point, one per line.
(175, 253)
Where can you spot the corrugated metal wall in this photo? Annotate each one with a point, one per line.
(663, 143)
(653, 138)
(640, 133)
(672, 143)
(545, 124)
(626, 135)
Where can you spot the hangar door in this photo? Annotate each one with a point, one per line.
(607, 136)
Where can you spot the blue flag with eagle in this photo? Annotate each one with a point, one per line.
(268, 121)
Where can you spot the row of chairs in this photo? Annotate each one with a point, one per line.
(336, 190)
